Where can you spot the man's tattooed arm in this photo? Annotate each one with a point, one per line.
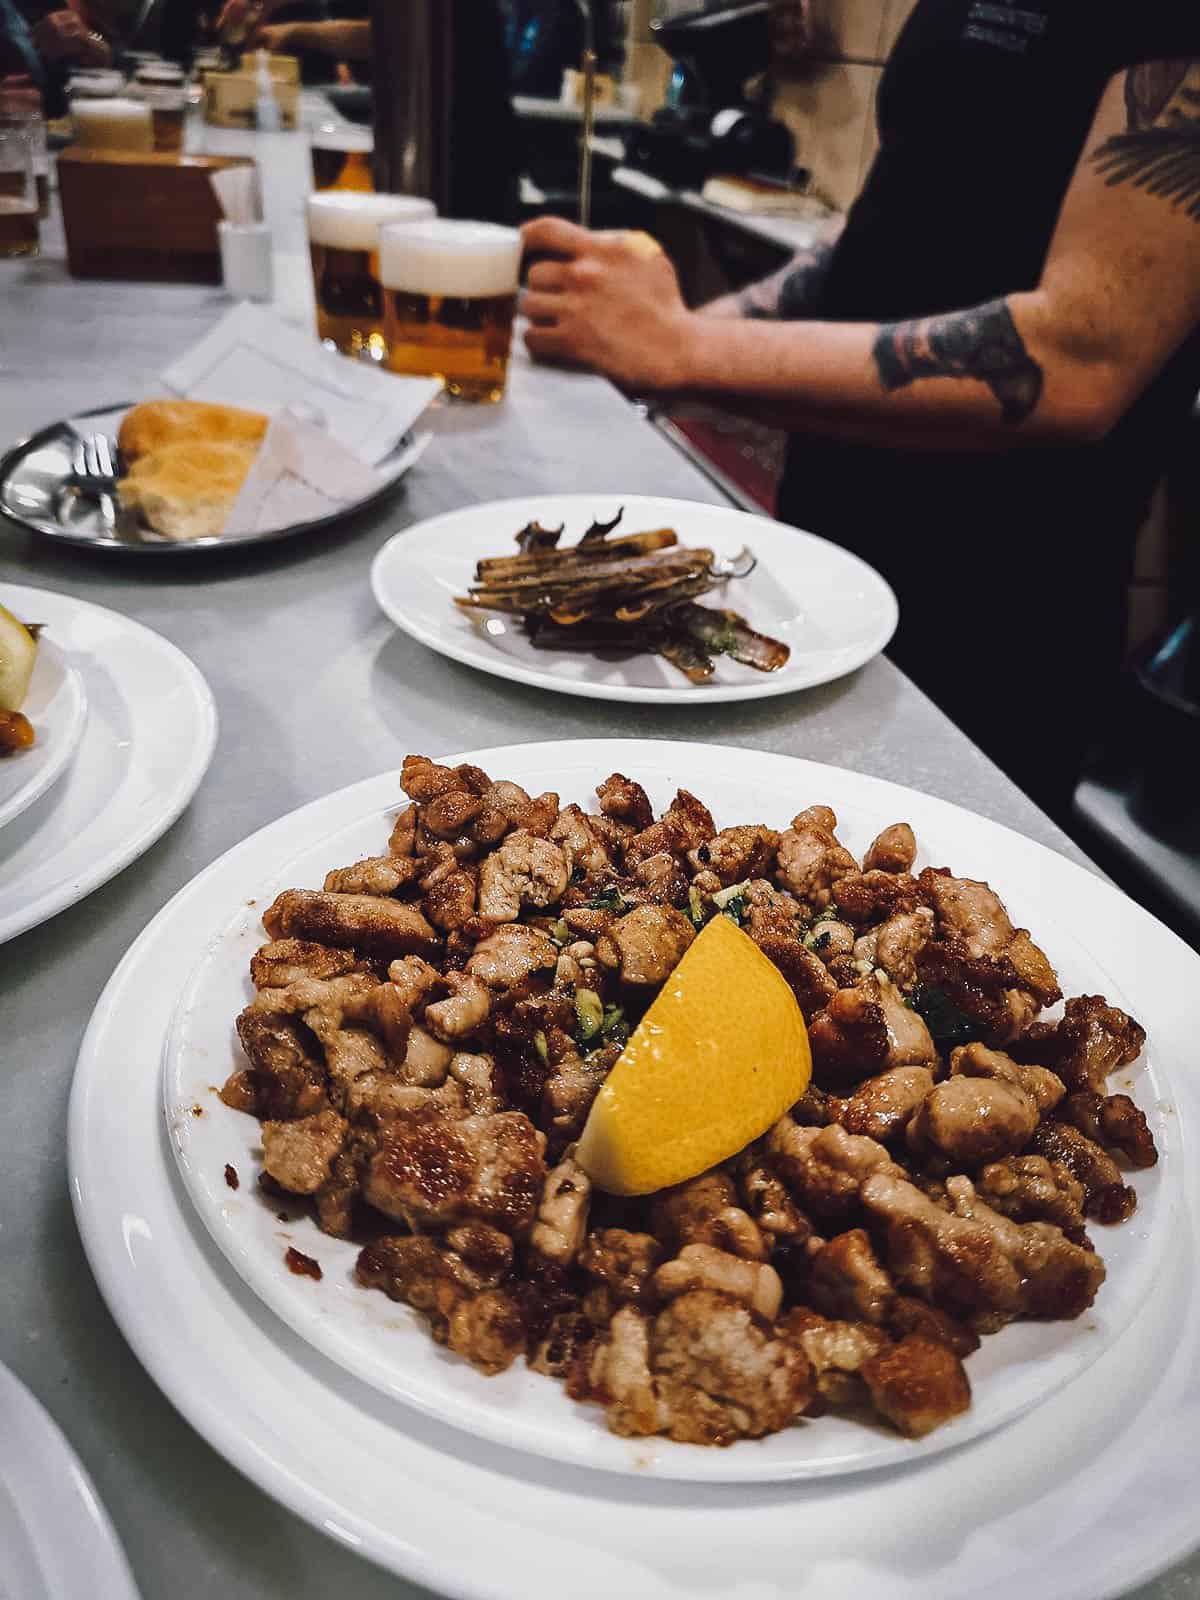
(984, 344)
(791, 293)
(1160, 150)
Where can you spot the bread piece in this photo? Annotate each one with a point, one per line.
(187, 490)
(156, 423)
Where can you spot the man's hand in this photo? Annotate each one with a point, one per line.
(63, 36)
(609, 302)
(280, 38)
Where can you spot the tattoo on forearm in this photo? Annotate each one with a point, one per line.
(1160, 150)
(983, 344)
(792, 292)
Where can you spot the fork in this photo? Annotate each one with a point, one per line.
(95, 474)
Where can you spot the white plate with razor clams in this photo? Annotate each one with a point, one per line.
(1082, 1498)
(808, 611)
(387, 1345)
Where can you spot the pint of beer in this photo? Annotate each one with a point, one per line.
(18, 195)
(167, 110)
(343, 238)
(116, 124)
(341, 157)
(449, 295)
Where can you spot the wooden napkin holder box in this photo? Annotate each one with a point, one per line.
(134, 214)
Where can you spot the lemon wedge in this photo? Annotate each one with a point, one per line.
(720, 1055)
(18, 652)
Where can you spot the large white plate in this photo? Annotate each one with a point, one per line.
(1080, 1499)
(57, 707)
(833, 610)
(56, 1542)
(389, 1346)
(150, 734)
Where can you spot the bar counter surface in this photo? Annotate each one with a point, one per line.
(315, 690)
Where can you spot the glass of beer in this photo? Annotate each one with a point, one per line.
(18, 195)
(449, 295)
(341, 158)
(22, 108)
(167, 109)
(116, 124)
(343, 239)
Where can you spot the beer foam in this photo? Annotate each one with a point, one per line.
(466, 260)
(343, 220)
(345, 137)
(132, 111)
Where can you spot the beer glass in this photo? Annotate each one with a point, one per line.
(22, 108)
(449, 295)
(167, 109)
(18, 194)
(116, 124)
(343, 239)
(341, 158)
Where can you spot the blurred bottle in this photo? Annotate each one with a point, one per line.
(444, 125)
(22, 108)
(266, 106)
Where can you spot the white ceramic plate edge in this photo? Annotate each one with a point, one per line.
(54, 769)
(187, 780)
(460, 648)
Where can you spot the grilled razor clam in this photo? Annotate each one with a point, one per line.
(541, 593)
(365, 922)
(726, 633)
(501, 569)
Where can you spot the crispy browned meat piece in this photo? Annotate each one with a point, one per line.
(777, 936)
(972, 1120)
(582, 846)
(836, 1352)
(700, 1266)
(568, 1092)
(1107, 1197)
(383, 875)
(285, 1079)
(846, 1279)
(299, 1154)
(625, 801)
(650, 942)
(982, 988)
(1032, 1189)
(434, 1171)
(970, 912)
(1112, 1120)
(765, 1198)
(660, 880)
(450, 815)
(973, 1261)
(619, 1264)
(865, 898)
(403, 838)
(684, 826)
(482, 1324)
(337, 1198)
(449, 890)
(825, 1168)
(1042, 1086)
(849, 1039)
(705, 1210)
(736, 854)
(568, 1335)
(882, 1107)
(895, 945)
(525, 871)
(811, 858)
(909, 1315)
(1092, 1040)
(917, 1385)
(287, 961)
(463, 1012)
(893, 850)
(510, 955)
(562, 1213)
(365, 922)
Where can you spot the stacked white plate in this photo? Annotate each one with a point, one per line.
(125, 728)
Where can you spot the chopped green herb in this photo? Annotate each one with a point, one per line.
(577, 876)
(560, 933)
(614, 1028)
(607, 900)
(589, 1013)
(695, 906)
(947, 1024)
(542, 1048)
(734, 901)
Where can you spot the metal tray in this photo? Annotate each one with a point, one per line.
(37, 493)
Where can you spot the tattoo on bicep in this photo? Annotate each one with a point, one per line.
(983, 344)
(790, 293)
(1160, 150)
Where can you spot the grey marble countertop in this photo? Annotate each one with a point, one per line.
(315, 690)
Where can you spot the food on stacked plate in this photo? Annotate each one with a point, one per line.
(624, 592)
(185, 463)
(18, 654)
(723, 1128)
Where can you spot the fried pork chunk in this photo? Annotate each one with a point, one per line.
(431, 1171)
(430, 1029)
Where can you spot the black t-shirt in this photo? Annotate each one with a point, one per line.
(984, 109)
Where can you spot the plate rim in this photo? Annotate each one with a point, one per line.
(187, 779)
(21, 801)
(354, 1528)
(16, 453)
(504, 667)
(340, 1342)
